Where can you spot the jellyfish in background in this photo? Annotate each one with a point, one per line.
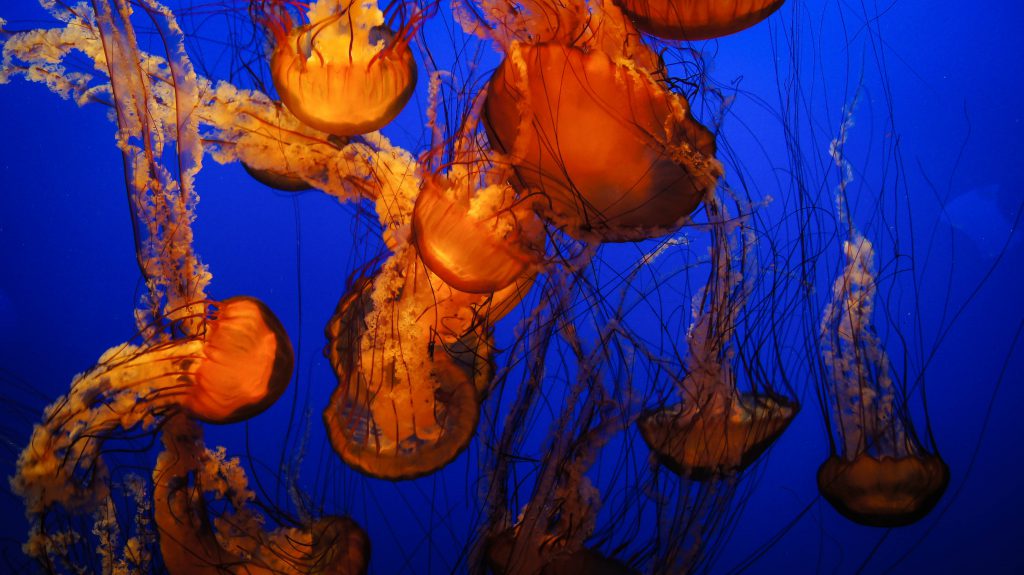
(186, 471)
(344, 73)
(716, 430)
(880, 474)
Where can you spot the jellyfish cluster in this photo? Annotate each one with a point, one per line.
(566, 292)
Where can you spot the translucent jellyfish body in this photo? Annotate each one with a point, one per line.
(478, 244)
(343, 73)
(233, 371)
(615, 154)
(880, 474)
(696, 19)
(413, 360)
(721, 437)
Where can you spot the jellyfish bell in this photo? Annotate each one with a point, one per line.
(472, 251)
(696, 19)
(616, 155)
(246, 366)
(343, 73)
(883, 491)
(409, 393)
(723, 438)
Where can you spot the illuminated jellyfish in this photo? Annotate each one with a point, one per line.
(414, 359)
(586, 120)
(881, 474)
(478, 242)
(233, 371)
(696, 19)
(186, 471)
(716, 429)
(470, 227)
(343, 73)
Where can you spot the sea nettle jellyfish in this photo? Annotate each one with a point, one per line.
(187, 473)
(476, 237)
(880, 473)
(585, 120)
(696, 19)
(413, 358)
(717, 430)
(232, 371)
(344, 72)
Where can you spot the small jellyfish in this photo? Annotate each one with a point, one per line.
(696, 19)
(478, 242)
(880, 474)
(616, 155)
(343, 73)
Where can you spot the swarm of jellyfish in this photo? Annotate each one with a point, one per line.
(487, 331)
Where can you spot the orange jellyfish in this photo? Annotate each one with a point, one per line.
(616, 155)
(696, 19)
(186, 472)
(233, 371)
(414, 359)
(478, 242)
(343, 73)
(880, 474)
(716, 430)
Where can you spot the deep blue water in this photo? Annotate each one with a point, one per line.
(948, 74)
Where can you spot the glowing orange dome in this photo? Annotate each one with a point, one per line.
(696, 19)
(247, 365)
(475, 254)
(615, 154)
(341, 78)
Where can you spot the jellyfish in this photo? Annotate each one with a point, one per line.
(696, 19)
(880, 474)
(717, 430)
(343, 73)
(615, 154)
(413, 358)
(233, 371)
(187, 471)
(478, 242)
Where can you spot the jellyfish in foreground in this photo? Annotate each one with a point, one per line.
(586, 121)
(716, 429)
(190, 543)
(696, 19)
(343, 73)
(414, 360)
(233, 371)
